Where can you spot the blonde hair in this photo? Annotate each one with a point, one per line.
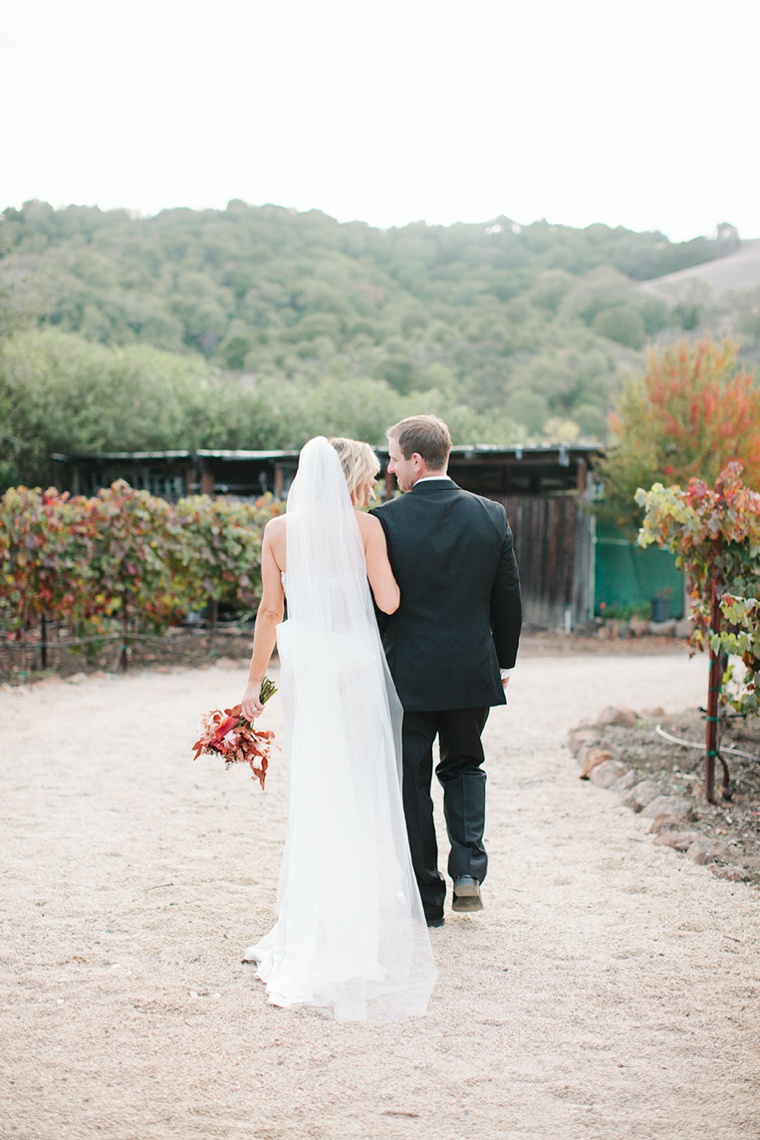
(358, 460)
(427, 435)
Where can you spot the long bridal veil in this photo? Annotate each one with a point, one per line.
(350, 934)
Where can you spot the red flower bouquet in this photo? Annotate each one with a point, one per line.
(228, 734)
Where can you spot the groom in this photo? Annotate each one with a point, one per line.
(450, 646)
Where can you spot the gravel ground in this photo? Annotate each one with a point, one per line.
(608, 990)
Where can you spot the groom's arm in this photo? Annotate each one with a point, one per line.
(380, 617)
(506, 604)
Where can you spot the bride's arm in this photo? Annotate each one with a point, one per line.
(384, 586)
(268, 617)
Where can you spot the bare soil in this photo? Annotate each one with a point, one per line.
(199, 647)
(608, 990)
(202, 645)
(680, 771)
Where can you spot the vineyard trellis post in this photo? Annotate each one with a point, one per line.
(715, 677)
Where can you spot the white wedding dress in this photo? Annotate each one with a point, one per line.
(350, 935)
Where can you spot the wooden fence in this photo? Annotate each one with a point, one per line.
(553, 543)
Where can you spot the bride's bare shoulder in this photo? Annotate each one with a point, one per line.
(368, 524)
(274, 531)
(275, 537)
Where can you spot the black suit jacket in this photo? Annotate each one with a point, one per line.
(460, 613)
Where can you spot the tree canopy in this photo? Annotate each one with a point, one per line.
(257, 326)
(692, 412)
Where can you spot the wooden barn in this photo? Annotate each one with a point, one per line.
(546, 492)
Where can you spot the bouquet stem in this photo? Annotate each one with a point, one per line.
(268, 689)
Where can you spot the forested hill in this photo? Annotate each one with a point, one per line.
(514, 332)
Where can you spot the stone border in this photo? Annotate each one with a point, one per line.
(670, 815)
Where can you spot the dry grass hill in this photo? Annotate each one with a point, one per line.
(737, 272)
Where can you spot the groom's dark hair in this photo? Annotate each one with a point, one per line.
(426, 435)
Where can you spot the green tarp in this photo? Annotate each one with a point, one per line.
(625, 575)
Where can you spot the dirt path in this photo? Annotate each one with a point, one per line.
(609, 989)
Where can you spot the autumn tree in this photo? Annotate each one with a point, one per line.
(693, 411)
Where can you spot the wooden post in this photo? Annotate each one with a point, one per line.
(124, 652)
(714, 683)
(390, 484)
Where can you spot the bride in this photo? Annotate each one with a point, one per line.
(350, 935)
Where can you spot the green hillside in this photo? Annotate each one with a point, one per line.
(257, 326)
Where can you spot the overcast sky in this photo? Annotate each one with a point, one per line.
(640, 115)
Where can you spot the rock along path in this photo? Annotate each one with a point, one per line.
(608, 990)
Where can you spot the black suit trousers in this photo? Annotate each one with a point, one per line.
(464, 797)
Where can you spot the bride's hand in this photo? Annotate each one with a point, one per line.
(251, 706)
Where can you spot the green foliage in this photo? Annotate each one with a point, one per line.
(620, 612)
(621, 323)
(741, 639)
(59, 392)
(529, 407)
(591, 421)
(211, 328)
(219, 555)
(596, 291)
(715, 535)
(654, 314)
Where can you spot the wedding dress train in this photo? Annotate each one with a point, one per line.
(350, 935)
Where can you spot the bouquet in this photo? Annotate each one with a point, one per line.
(228, 734)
